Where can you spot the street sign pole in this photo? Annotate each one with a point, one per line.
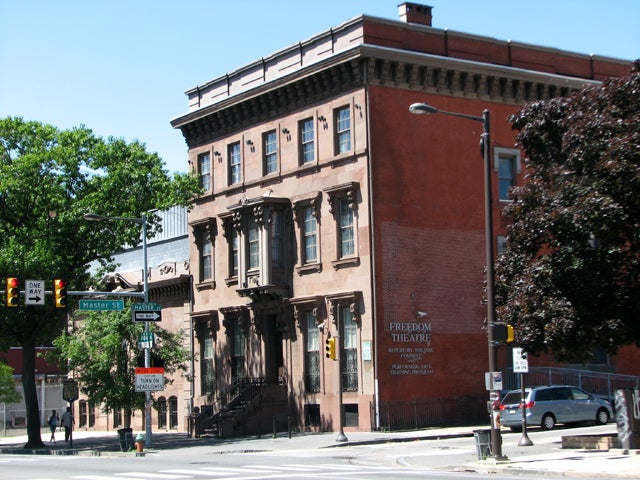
(147, 350)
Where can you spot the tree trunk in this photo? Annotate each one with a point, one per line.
(30, 395)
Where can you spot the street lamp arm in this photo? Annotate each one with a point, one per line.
(423, 108)
(94, 217)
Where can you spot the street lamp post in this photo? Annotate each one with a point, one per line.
(145, 288)
(494, 395)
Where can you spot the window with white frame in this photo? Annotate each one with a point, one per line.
(342, 205)
(204, 171)
(207, 372)
(501, 244)
(310, 234)
(276, 239)
(270, 152)
(507, 165)
(349, 350)
(253, 243)
(206, 256)
(312, 357)
(343, 129)
(234, 248)
(234, 163)
(203, 233)
(346, 241)
(307, 141)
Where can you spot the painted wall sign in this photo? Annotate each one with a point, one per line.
(412, 342)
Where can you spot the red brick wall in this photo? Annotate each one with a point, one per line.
(491, 51)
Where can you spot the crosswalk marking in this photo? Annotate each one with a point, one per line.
(253, 472)
(195, 472)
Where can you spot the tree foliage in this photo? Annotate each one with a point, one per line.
(8, 392)
(569, 279)
(48, 179)
(102, 350)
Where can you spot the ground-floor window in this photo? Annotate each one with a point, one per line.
(162, 412)
(312, 354)
(351, 415)
(173, 412)
(117, 418)
(349, 351)
(82, 413)
(312, 415)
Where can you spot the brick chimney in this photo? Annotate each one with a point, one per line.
(415, 13)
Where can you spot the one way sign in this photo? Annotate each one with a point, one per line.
(148, 316)
(34, 292)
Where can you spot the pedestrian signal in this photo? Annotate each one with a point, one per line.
(503, 333)
(510, 333)
(60, 293)
(12, 292)
(330, 348)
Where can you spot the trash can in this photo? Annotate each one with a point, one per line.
(125, 435)
(626, 402)
(483, 443)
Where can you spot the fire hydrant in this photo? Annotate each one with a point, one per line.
(139, 443)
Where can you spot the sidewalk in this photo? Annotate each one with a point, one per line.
(541, 459)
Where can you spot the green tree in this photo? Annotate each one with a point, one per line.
(569, 279)
(8, 392)
(102, 350)
(48, 179)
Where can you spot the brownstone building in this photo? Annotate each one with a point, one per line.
(331, 212)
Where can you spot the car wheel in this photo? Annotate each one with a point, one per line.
(602, 417)
(548, 422)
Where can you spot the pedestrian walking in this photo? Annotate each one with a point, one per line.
(67, 422)
(53, 424)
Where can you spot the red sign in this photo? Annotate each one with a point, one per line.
(149, 370)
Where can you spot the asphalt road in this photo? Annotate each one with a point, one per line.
(432, 459)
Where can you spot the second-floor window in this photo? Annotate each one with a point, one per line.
(234, 163)
(234, 246)
(253, 240)
(206, 255)
(270, 149)
(204, 170)
(276, 239)
(346, 232)
(307, 141)
(507, 165)
(343, 129)
(310, 235)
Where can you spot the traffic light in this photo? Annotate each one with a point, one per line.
(330, 348)
(60, 293)
(12, 292)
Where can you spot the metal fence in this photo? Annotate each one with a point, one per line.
(601, 384)
(430, 413)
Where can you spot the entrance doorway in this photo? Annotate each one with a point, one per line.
(273, 352)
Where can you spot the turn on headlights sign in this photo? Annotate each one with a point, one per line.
(150, 379)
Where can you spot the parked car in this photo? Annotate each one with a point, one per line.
(553, 404)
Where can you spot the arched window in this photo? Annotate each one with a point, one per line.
(162, 412)
(82, 413)
(173, 412)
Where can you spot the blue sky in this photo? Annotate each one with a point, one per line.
(121, 67)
